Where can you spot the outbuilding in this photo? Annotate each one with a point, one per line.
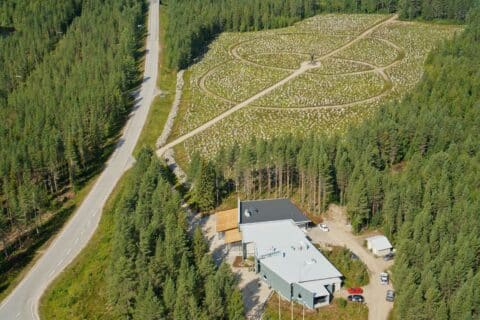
(379, 245)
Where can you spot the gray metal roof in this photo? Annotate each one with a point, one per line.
(285, 249)
(269, 210)
(379, 243)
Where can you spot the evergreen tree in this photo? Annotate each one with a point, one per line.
(204, 188)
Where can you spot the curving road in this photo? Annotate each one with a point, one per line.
(305, 67)
(23, 302)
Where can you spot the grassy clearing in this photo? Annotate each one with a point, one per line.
(311, 90)
(332, 66)
(372, 51)
(248, 122)
(293, 41)
(340, 24)
(337, 310)
(399, 49)
(247, 80)
(281, 59)
(80, 292)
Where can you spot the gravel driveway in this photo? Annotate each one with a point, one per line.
(340, 235)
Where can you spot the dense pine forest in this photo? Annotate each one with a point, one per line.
(31, 29)
(192, 24)
(158, 270)
(413, 169)
(67, 68)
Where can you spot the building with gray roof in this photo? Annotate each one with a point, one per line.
(255, 211)
(379, 245)
(289, 263)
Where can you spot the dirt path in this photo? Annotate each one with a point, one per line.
(341, 235)
(303, 68)
(202, 85)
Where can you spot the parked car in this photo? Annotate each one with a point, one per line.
(323, 227)
(389, 256)
(356, 298)
(390, 295)
(384, 278)
(355, 290)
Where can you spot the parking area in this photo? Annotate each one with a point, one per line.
(340, 235)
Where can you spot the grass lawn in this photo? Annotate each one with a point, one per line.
(335, 311)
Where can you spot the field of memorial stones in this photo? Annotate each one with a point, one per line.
(341, 90)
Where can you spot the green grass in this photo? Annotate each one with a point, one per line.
(160, 108)
(80, 292)
(335, 311)
(355, 271)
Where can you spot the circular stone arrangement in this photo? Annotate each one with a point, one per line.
(334, 82)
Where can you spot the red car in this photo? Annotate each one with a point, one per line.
(355, 290)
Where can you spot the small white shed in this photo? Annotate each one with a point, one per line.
(379, 245)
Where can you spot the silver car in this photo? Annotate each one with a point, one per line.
(390, 295)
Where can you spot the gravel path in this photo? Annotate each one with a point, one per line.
(173, 112)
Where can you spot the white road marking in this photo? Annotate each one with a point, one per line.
(68, 251)
(60, 262)
(32, 309)
(24, 299)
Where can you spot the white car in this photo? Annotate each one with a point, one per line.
(384, 278)
(323, 227)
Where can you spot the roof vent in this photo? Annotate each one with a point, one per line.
(248, 214)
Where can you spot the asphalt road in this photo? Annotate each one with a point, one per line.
(23, 302)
